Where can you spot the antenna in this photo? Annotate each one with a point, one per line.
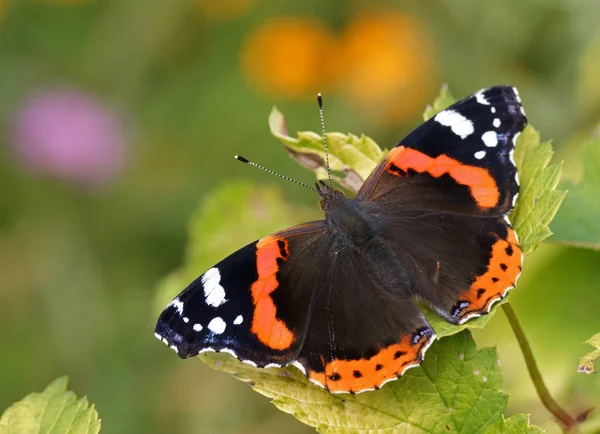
(320, 102)
(287, 178)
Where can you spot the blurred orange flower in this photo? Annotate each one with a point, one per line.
(224, 9)
(290, 57)
(389, 66)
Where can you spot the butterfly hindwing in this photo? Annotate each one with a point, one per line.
(464, 264)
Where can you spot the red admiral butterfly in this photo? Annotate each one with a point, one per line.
(336, 297)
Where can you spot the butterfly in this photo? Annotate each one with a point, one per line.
(337, 298)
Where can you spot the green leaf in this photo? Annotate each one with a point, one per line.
(444, 328)
(55, 410)
(352, 157)
(587, 363)
(578, 220)
(539, 199)
(456, 389)
(443, 100)
(519, 423)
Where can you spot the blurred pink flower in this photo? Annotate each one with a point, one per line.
(68, 134)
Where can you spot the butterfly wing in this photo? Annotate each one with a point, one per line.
(364, 329)
(298, 297)
(240, 305)
(442, 195)
(461, 160)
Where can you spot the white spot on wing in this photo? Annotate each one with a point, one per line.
(238, 320)
(479, 154)
(315, 382)
(490, 139)
(299, 366)
(197, 327)
(159, 337)
(459, 124)
(480, 97)
(517, 94)
(496, 123)
(217, 325)
(228, 351)
(177, 304)
(249, 362)
(214, 293)
(515, 138)
(186, 319)
(493, 109)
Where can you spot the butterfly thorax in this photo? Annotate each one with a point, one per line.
(346, 219)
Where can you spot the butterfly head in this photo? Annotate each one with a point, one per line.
(329, 196)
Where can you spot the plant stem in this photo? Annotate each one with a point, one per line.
(557, 411)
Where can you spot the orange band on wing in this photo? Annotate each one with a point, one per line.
(482, 185)
(364, 374)
(501, 274)
(265, 326)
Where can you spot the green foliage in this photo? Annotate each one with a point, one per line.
(53, 411)
(353, 157)
(518, 423)
(456, 389)
(587, 363)
(443, 100)
(539, 199)
(578, 220)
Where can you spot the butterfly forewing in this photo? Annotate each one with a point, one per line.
(461, 160)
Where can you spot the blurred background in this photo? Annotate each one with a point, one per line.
(118, 123)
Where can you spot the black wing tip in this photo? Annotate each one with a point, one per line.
(165, 333)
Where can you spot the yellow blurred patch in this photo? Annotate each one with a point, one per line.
(224, 9)
(289, 57)
(389, 67)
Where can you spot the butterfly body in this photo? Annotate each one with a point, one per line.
(337, 298)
